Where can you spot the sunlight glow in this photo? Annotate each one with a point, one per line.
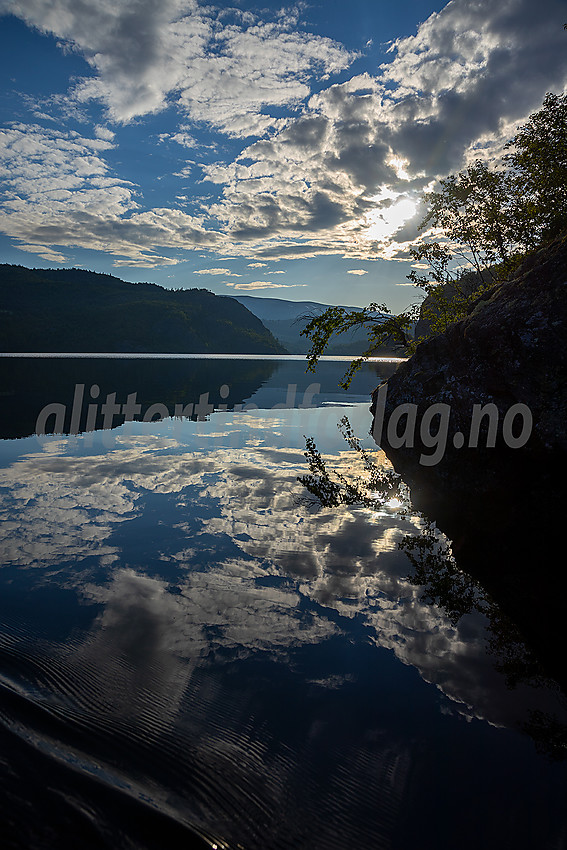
(384, 222)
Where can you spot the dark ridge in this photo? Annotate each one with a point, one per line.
(73, 310)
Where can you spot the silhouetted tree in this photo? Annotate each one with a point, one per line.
(485, 220)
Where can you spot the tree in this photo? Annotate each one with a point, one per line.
(473, 211)
(484, 220)
(473, 215)
(538, 173)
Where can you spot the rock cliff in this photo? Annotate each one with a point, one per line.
(511, 348)
(501, 506)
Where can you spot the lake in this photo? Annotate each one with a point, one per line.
(195, 653)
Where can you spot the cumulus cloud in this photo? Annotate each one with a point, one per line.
(472, 70)
(61, 193)
(337, 171)
(456, 88)
(182, 138)
(104, 133)
(216, 69)
(357, 271)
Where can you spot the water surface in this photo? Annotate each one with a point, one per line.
(193, 653)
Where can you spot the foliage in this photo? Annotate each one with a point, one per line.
(473, 210)
(381, 326)
(548, 732)
(76, 310)
(486, 220)
(538, 169)
(332, 489)
(491, 218)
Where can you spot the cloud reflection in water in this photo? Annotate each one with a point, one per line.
(208, 551)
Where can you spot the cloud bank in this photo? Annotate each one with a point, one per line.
(216, 64)
(323, 164)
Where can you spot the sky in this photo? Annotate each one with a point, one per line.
(255, 148)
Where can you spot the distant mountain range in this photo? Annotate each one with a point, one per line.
(72, 310)
(286, 320)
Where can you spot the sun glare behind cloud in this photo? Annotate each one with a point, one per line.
(383, 223)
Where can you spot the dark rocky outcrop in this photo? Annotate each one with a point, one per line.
(510, 348)
(502, 507)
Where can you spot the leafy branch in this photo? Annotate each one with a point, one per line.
(379, 323)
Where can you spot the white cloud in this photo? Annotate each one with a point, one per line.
(264, 284)
(181, 138)
(45, 252)
(319, 182)
(346, 175)
(61, 194)
(257, 265)
(148, 54)
(225, 272)
(357, 271)
(51, 175)
(104, 133)
(472, 70)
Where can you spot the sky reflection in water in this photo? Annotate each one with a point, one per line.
(259, 668)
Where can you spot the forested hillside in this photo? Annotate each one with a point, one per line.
(72, 310)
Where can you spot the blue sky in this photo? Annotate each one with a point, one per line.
(255, 148)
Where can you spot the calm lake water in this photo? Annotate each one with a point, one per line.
(194, 654)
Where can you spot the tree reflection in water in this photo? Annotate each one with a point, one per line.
(436, 571)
